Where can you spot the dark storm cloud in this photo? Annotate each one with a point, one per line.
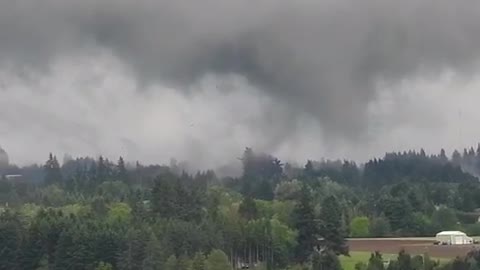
(321, 58)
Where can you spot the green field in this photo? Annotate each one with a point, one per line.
(348, 263)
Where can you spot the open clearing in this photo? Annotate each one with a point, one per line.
(414, 246)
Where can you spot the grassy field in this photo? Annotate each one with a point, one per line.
(348, 263)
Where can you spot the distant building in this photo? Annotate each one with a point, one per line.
(453, 238)
(13, 176)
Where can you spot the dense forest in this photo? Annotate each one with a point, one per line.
(100, 214)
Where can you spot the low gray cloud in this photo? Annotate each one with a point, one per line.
(316, 62)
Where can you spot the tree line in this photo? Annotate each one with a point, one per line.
(99, 214)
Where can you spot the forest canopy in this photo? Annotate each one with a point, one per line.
(88, 213)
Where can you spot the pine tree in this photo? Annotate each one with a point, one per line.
(102, 170)
(121, 171)
(133, 256)
(64, 252)
(32, 253)
(325, 260)
(153, 254)
(10, 238)
(375, 262)
(331, 228)
(306, 225)
(107, 242)
(75, 250)
(53, 175)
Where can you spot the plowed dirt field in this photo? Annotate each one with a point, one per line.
(413, 246)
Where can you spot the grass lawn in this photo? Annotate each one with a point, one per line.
(348, 263)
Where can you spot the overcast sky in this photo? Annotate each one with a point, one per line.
(202, 80)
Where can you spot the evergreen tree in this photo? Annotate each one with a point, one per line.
(102, 170)
(132, 257)
(153, 254)
(164, 196)
(53, 175)
(75, 250)
(32, 253)
(107, 243)
(306, 226)
(375, 262)
(325, 260)
(10, 239)
(331, 228)
(64, 251)
(121, 171)
(309, 170)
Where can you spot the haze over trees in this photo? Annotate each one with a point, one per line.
(100, 214)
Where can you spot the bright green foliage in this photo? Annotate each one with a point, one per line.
(218, 260)
(76, 209)
(283, 242)
(361, 266)
(119, 213)
(360, 227)
(199, 262)
(104, 266)
(29, 211)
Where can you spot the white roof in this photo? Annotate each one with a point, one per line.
(451, 233)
